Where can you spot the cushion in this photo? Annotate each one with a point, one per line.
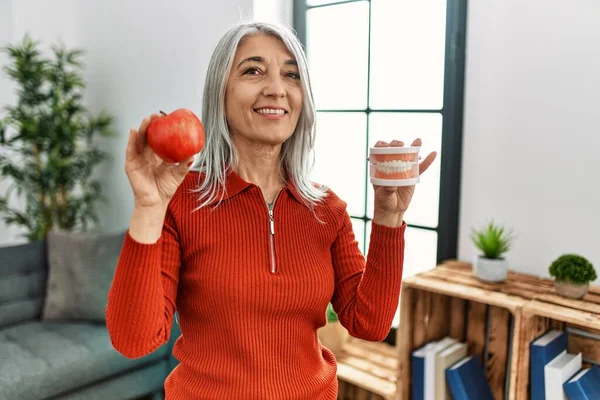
(41, 360)
(23, 275)
(81, 267)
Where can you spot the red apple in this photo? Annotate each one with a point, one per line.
(177, 136)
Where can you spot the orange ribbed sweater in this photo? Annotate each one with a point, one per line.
(250, 301)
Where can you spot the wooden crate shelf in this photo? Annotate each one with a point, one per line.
(497, 320)
(447, 301)
(582, 326)
(367, 371)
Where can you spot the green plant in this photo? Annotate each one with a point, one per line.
(331, 315)
(493, 240)
(572, 268)
(46, 142)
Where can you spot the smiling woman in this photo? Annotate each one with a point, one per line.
(244, 246)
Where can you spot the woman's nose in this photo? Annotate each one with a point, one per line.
(274, 87)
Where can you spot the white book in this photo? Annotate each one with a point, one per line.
(443, 360)
(430, 370)
(558, 371)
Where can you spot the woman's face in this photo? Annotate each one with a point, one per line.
(263, 99)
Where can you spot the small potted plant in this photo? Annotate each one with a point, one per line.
(572, 275)
(333, 335)
(493, 241)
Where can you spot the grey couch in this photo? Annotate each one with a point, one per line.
(63, 360)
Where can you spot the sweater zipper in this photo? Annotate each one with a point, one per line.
(270, 207)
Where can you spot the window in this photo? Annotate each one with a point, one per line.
(383, 70)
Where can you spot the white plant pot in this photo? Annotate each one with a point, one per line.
(333, 336)
(490, 270)
(571, 290)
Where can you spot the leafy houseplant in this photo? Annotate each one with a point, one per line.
(493, 241)
(46, 142)
(331, 314)
(333, 335)
(572, 275)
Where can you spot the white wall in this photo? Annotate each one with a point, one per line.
(142, 57)
(531, 154)
(531, 103)
(274, 10)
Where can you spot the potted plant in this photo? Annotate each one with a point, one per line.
(47, 152)
(493, 241)
(333, 335)
(572, 275)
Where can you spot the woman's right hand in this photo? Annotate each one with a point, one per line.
(153, 181)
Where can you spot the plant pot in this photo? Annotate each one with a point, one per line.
(490, 270)
(333, 336)
(571, 290)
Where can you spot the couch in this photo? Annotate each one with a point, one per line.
(60, 360)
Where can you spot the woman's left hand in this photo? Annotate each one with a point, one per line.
(392, 202)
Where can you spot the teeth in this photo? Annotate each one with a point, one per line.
(270, 111)
(389, 167)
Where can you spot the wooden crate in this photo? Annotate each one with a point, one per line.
(449, 301)
(544, 310)
(579, 318)
(510, 314)
(367, 371)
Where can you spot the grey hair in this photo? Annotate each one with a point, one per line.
(219, 153)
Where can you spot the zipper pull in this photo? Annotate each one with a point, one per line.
(272, 222)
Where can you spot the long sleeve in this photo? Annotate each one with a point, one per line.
(141, 300)
(366, 294)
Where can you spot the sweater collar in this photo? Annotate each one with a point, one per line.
(234, 185)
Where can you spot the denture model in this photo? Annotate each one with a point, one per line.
(394, 166)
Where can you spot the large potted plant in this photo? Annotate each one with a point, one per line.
(493, 241)
(572, 275)
(47, 151)
(333, 335)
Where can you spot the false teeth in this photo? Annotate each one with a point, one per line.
(394, 166)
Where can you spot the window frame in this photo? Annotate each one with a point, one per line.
(452, 123)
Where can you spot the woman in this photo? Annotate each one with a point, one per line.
(244, 247)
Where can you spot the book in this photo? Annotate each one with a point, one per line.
(423, 368)
(543, 350)
(585, 385)
(418, 371)
(443, 360)
(558, 371)
(467, 380)
(430, 369)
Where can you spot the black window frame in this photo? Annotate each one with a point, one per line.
(452, 123)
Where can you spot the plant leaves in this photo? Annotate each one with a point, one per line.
(47, 148)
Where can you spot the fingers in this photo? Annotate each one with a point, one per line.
(427, 162)
(141, 131)
(145, 122)
(183, 167)
(394, 142)
(137, 137)
(131, 150)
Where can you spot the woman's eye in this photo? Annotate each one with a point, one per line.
(294, 75)
(252, 71)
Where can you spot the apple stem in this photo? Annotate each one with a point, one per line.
(162, 112)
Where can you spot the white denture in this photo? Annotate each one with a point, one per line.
(394, 166)
(270, 111)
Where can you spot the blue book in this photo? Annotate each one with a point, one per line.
(418, 371)
(543, 350)
(585, 385)
(467, 380)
